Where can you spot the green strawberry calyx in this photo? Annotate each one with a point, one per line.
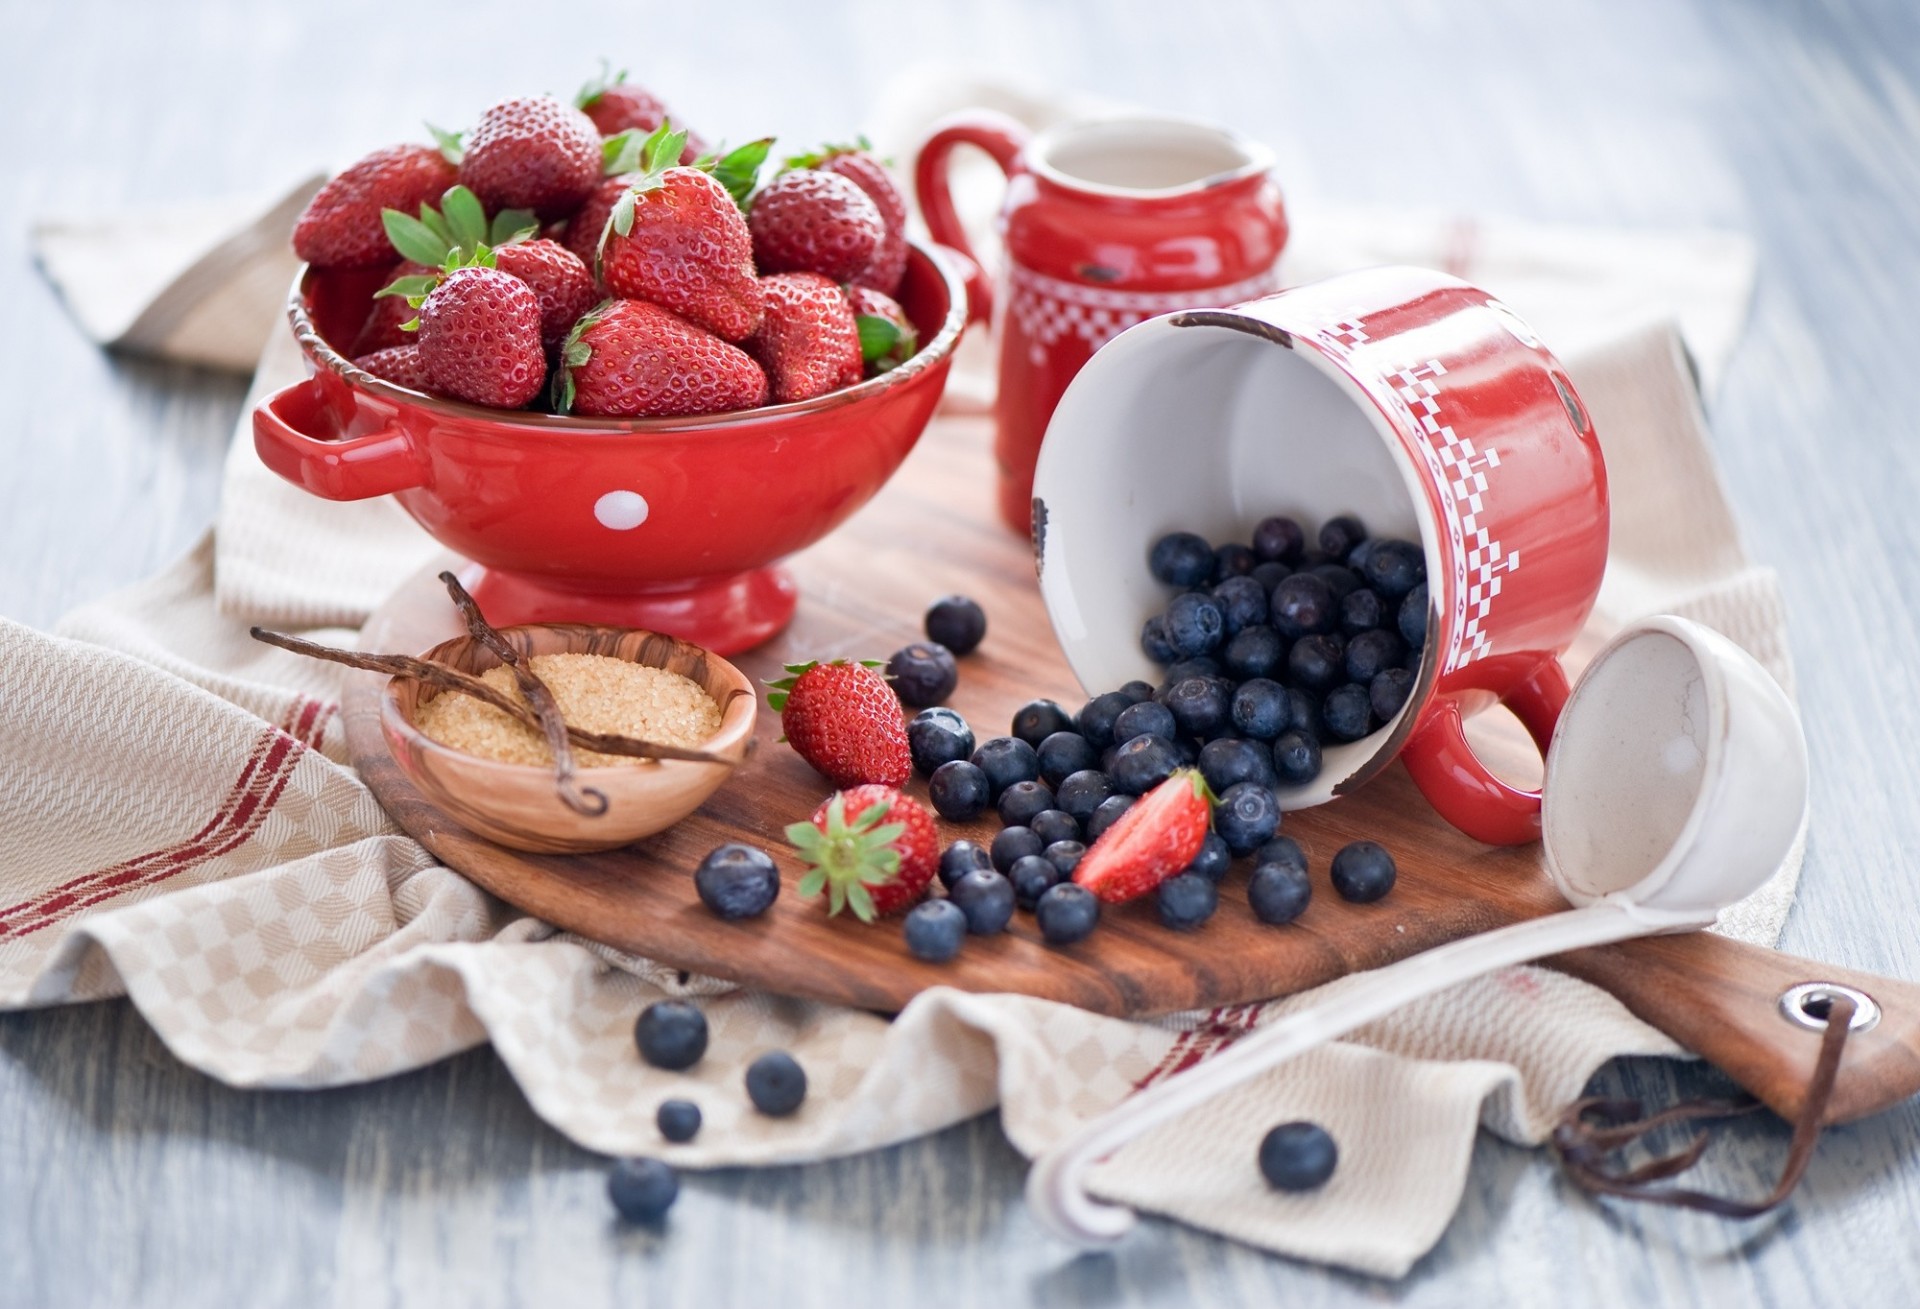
(737, 169)
(453, 145)
(848, 856)
(884, 344)
(777, 692)
(456, 235)
(594, 87)
(574, 353)
(814, 158)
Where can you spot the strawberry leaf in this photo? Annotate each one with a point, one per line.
(414, 289)
(466, 219)
(878, 337)
(511, 226)
(621, 219)
(739, 169)
(452, 147)
(861, 901)
(813, 883)
(594, 87)
(414, 239)
(434, 221)
(620, 153)
(662, 148)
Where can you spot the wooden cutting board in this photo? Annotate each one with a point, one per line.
(931, 532)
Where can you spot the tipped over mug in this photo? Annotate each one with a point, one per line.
(1105, 224)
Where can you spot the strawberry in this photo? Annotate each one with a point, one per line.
(385, 323)
(616, 105)
(1151, 842)
(399, 364)
(887, 339)
(808, 342)
(676, 238)
(858, 165)
(808, 221)
(589, 221)
(560, 282)
(480, 338)
(869, 847)
(843, 719)
(637, 360)
(341, 228)
(533, 153)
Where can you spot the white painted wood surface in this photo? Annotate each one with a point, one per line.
(126, 1179)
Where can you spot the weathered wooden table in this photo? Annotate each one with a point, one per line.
(127, 1179)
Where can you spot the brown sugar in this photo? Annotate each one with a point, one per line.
(596, 693)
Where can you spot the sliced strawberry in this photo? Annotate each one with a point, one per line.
(480, 338)
(1155, 839)
(844, 720)
(533, 153)
(808, 342)
(341, 226)
(870, 848)
(637, 360)
(809, 221)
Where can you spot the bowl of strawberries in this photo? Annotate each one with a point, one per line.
(623, 374)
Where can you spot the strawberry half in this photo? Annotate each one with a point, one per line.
(870, 848)
(843, 719)
(341, 226)
(809, 221)
(1151, 842)
(858, 164)
(808, 342)
(480, 338)
(637, 360)
(532, 153)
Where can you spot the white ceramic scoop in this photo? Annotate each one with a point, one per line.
(1675, 786)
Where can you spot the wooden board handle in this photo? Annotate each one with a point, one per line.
(1721, 999)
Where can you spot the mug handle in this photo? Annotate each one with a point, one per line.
(359, 468)
(1001, 137)
(1461, 788)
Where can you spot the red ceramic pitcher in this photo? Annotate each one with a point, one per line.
(1105, 224)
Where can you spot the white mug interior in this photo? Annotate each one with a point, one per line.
(1210, 427)
(1144, 157)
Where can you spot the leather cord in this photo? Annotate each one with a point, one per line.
(1594, 1128)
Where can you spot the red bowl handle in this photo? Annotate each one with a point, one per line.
(1465, 791)
(358, 468)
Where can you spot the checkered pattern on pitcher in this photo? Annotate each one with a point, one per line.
(1047, 309)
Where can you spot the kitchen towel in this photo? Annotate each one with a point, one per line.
(178, 824)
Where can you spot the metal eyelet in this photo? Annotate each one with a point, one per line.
(1806, 1006)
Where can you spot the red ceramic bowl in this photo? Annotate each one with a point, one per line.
(670, 524)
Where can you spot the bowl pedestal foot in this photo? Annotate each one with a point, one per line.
(726, 614)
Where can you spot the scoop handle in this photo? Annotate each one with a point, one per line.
(1056, 1185)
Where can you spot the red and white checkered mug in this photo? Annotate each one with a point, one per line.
(1403, 396)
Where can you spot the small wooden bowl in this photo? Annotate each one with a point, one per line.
(517, 805)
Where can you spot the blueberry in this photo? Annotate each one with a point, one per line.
(1081, 793)
(922, 674)
(1296, 758)
(1302, 605)
(1347, 712)
(1065, 855)
(1146, 719)
(1357, 557)
(1254, 652)
(1036, 720)
(1316, 663)
(1052, 825)
(1361, 611)
(1186, 901)
(1142, 764)
(1389, 691)
(1339, 535)
(1372, 653)
(1006, 760)
(671, 1034)
(1096, 717)
(959, 790)
(1031, 877)
(986, 898)
(1233, 560)
(1067, 913)
(1195, 625)
(934, 930)
(1278, 539)
(1412, 619)
(1230, 760)
(642, 1190)
(1340, 580)
(1243, 603)
(1181, 559)
(1013, 843)
(1213, 860)
(961, 858)
(1270, 574)
(1297, 1156)
(678, 1120)
(1137, 691)
(737, 881)
(1395, 568)
(937, 736)
(1200, 706)
(1205, 666)
(1282, 850)
(1154, 643)
(1303, 713)
(1278, 894)
(1107, 815)
(957, 623)
(1020, 803)
(776, 1083)
(1363, 872)
(1260, 708)
(1247, 817)
(1063, 754)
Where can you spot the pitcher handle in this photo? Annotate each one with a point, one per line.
(1002, 138)
(1465, 791)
